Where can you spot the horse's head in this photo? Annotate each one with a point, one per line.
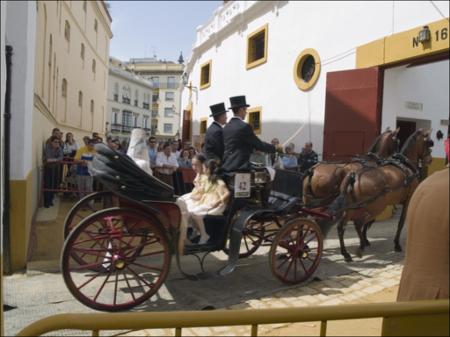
(388, 143)
(418, 147)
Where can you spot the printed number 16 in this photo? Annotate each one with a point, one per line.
(443, 34)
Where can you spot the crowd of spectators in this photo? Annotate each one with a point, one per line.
(67, 163)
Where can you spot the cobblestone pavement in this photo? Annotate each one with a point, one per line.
(39, 294)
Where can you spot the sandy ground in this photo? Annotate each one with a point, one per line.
(357, 327)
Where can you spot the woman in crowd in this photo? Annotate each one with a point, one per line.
(70, 146)
(185, 161)
(289, 160)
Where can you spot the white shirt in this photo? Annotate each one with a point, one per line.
(162, 159)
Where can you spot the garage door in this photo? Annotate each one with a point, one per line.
(352, 112)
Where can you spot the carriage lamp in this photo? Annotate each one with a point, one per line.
(424, 34)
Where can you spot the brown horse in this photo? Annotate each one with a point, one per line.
(322, 182)
(367, 192)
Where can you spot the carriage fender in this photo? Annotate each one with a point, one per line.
(236, 230)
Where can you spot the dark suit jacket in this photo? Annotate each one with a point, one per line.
(214, 142)
(240, 141)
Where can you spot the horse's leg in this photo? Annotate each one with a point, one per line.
(364, 232)
(401, 222)
(341, 231)
(359, 225)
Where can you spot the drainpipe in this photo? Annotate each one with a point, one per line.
(6, 162)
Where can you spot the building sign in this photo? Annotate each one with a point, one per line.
(414, 106)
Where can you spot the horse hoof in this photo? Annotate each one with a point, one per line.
(398, 249)
(348, 258)
(359, 252)
(367, 242)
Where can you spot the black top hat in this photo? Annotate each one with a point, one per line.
(238, 102)
(217, 109)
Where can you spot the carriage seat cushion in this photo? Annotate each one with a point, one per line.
(281, 202)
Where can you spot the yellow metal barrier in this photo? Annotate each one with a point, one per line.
(412, 318)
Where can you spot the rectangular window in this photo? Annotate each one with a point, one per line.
(115, 116)
(155, 81)
(203, 125)
(168, 112)
(171, 82)
(257, 47)
(170, 95)
(205, 75)
(127, 118)
(254, 119)
(167, 128)
(135, 121)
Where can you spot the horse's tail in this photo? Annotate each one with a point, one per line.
(338, 206)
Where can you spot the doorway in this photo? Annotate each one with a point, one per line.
(407, 128)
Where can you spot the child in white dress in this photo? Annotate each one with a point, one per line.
(189, 200)
(213, 201)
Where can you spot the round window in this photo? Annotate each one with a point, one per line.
(307, 69)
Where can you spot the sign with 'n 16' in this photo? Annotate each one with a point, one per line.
(437, 35)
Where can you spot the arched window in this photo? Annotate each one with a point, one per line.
(84, 6)
(116, 91)
(93, 67)
(80, 99)
(64, 88)
(67, 30)
(82, 51)
(136, 98)
(92, 106)
(95, 25)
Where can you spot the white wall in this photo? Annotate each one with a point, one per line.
(20, 34)
(2, 110)
(428, 85)
(332, 28)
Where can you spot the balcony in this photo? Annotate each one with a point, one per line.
(166, 85)
(116, 127)
(155, 98)
(146, 105)
(155, 113)
(125, 100)
(127, 128)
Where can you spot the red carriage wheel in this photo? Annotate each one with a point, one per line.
(116, 259)
(83, 208)
(296, 251)
(253, 237)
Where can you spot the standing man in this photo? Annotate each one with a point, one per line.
(240, 140)
(214, 146)
(307, 158)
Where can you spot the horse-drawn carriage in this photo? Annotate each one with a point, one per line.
(120, 253)
(120, 243)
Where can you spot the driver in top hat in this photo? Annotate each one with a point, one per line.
(240, 140)
(214, 146)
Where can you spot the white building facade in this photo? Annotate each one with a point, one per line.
(165, 77)
(283, 54)
(129, 102)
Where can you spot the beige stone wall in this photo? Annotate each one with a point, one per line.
(59, 59)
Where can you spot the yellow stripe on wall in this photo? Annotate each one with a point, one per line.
(20, 221)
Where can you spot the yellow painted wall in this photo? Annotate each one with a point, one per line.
(436, 165)
(21, 213)
(400, 47)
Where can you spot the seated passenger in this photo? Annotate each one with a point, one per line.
(188, 200)
(213, 202)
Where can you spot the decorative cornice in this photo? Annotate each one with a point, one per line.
(42, 107)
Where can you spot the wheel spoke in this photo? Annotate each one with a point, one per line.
(145, 266)
(140, 278)
(115, 288)
(89, 266)
(303, 266)
(246, 244)
(128, 285)
(103, 285)
(289, 267)
(89, 281)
